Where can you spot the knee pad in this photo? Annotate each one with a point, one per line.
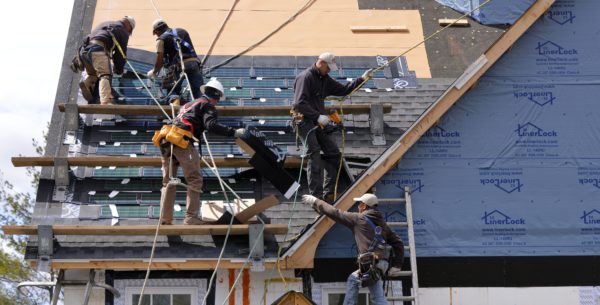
(106, 77)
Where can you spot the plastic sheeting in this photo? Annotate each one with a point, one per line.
(494, 12)
(514, 167)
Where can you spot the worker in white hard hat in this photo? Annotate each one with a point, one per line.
(169, 42)
(311, 88)
(193, 118)
(98, 49)
(379, 248)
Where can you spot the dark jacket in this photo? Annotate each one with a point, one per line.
(201, 115)
(171, 55)
(311, 88)
(363, 232)
(101, 33)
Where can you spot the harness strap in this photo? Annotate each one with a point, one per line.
(186, 109)
(378, 239)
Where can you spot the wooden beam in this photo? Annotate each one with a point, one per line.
(245, 215)
(223, 110)
(123, 161)
(302, 254)
(162, 264)
(379, 29)
(207, 229)
(446, 21)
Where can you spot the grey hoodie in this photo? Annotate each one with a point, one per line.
(362, 230)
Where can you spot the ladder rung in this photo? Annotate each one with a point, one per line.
(401, 274)
(403, 298)
(398, 224)
(392, 200)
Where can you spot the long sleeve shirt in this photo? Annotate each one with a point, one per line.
(311, 88)
(101, 33)
(201, 115)
(364, 234)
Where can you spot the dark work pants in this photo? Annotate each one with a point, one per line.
(194, 74)
(316, 142)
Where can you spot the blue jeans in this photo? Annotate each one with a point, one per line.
(353, 285)
(194, 74)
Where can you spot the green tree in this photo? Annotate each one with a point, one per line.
(16, 209)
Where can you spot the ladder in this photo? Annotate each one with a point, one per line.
(407, 299)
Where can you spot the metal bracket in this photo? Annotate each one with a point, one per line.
(56, 286)
(256, 240)
(45, 247)
(377, 124)
(61, 171)
(71, 116)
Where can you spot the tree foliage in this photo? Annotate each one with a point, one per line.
(16, 208)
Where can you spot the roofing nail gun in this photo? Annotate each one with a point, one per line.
(334, 117)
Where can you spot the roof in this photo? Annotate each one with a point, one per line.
(135, 191)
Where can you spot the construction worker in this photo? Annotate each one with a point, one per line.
(168, 44)
(373, 239)
(97, 53)
(311, 88)
(194, 117)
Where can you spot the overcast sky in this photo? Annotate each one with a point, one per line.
(32, 53)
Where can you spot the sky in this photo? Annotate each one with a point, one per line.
(32, 53)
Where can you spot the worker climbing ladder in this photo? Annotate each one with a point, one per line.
(412, 273)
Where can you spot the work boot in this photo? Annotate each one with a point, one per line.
(86, 93)
(192, 221)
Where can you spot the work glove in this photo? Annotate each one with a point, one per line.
(151, 74)
(323, 120)
(309, 199)
(368, 74)
(239, 132)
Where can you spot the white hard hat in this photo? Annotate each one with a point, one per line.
(215, 84)
(157, 24)
(131, 21)
(369, 199)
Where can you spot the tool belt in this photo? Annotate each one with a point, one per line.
(368, 272)
(174, 135)
(297, 116)
(173, 72)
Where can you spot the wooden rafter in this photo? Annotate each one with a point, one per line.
(223, 110)
(157, 264)
(301, 255)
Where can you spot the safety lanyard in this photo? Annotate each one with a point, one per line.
(378, 239)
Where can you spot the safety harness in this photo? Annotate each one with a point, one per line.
(368, 272)
(176, 135)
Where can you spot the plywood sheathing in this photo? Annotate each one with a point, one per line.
(325, 26)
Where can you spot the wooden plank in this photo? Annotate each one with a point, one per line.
(162, 264)
(447, 21)
(208, 229)
(123, 161)
(302, 254)
(245, 215)
(379, 29)
(223, 110)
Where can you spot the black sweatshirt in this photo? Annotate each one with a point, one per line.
(311, 88)
(202, 115)
(101, 33)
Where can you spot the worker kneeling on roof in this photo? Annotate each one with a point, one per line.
(169, 44)
(378, 246)
(311, 88)
(177, 149)
(98, 49)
